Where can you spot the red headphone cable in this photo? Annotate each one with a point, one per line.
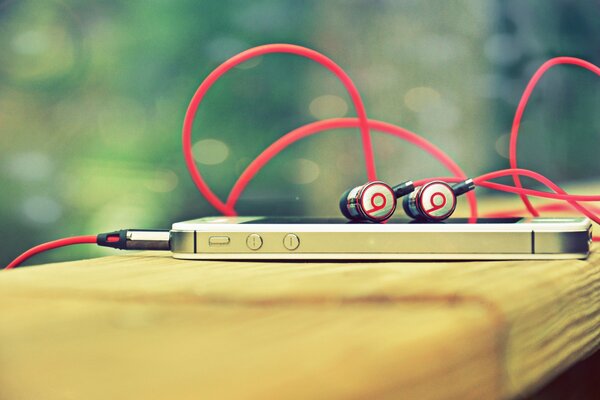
(49, 246)
(514, 133)
(322, 126)
(246, 55)
(126, 239)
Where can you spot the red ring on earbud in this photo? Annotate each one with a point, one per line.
(427, 213)
(370, 213)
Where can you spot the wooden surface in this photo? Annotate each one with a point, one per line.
(147, 326)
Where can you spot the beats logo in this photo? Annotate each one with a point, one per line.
(374, 201)
(434, 201)
(377, 201)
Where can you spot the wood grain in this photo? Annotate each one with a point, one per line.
(147, 326)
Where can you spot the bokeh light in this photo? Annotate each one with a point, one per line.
(210, 151)
(41, 209)
(420, 98)
(302, 171)
(29, 166)
(328, 106)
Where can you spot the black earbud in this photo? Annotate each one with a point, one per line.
(374, 201)
(435, 201)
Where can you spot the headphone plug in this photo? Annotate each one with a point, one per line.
(136, 239)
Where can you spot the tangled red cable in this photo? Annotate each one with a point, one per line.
(365, 126)
(514, 132)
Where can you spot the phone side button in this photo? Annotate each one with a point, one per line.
(254, 241)
(291, 241)
(218, 240)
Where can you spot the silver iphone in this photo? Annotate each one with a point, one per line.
(224, 238)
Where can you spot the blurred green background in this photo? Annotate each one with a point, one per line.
(93, 94)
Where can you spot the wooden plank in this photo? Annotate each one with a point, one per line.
(152, 327)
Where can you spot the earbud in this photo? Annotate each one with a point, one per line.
(374, 201)
(435, 201)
